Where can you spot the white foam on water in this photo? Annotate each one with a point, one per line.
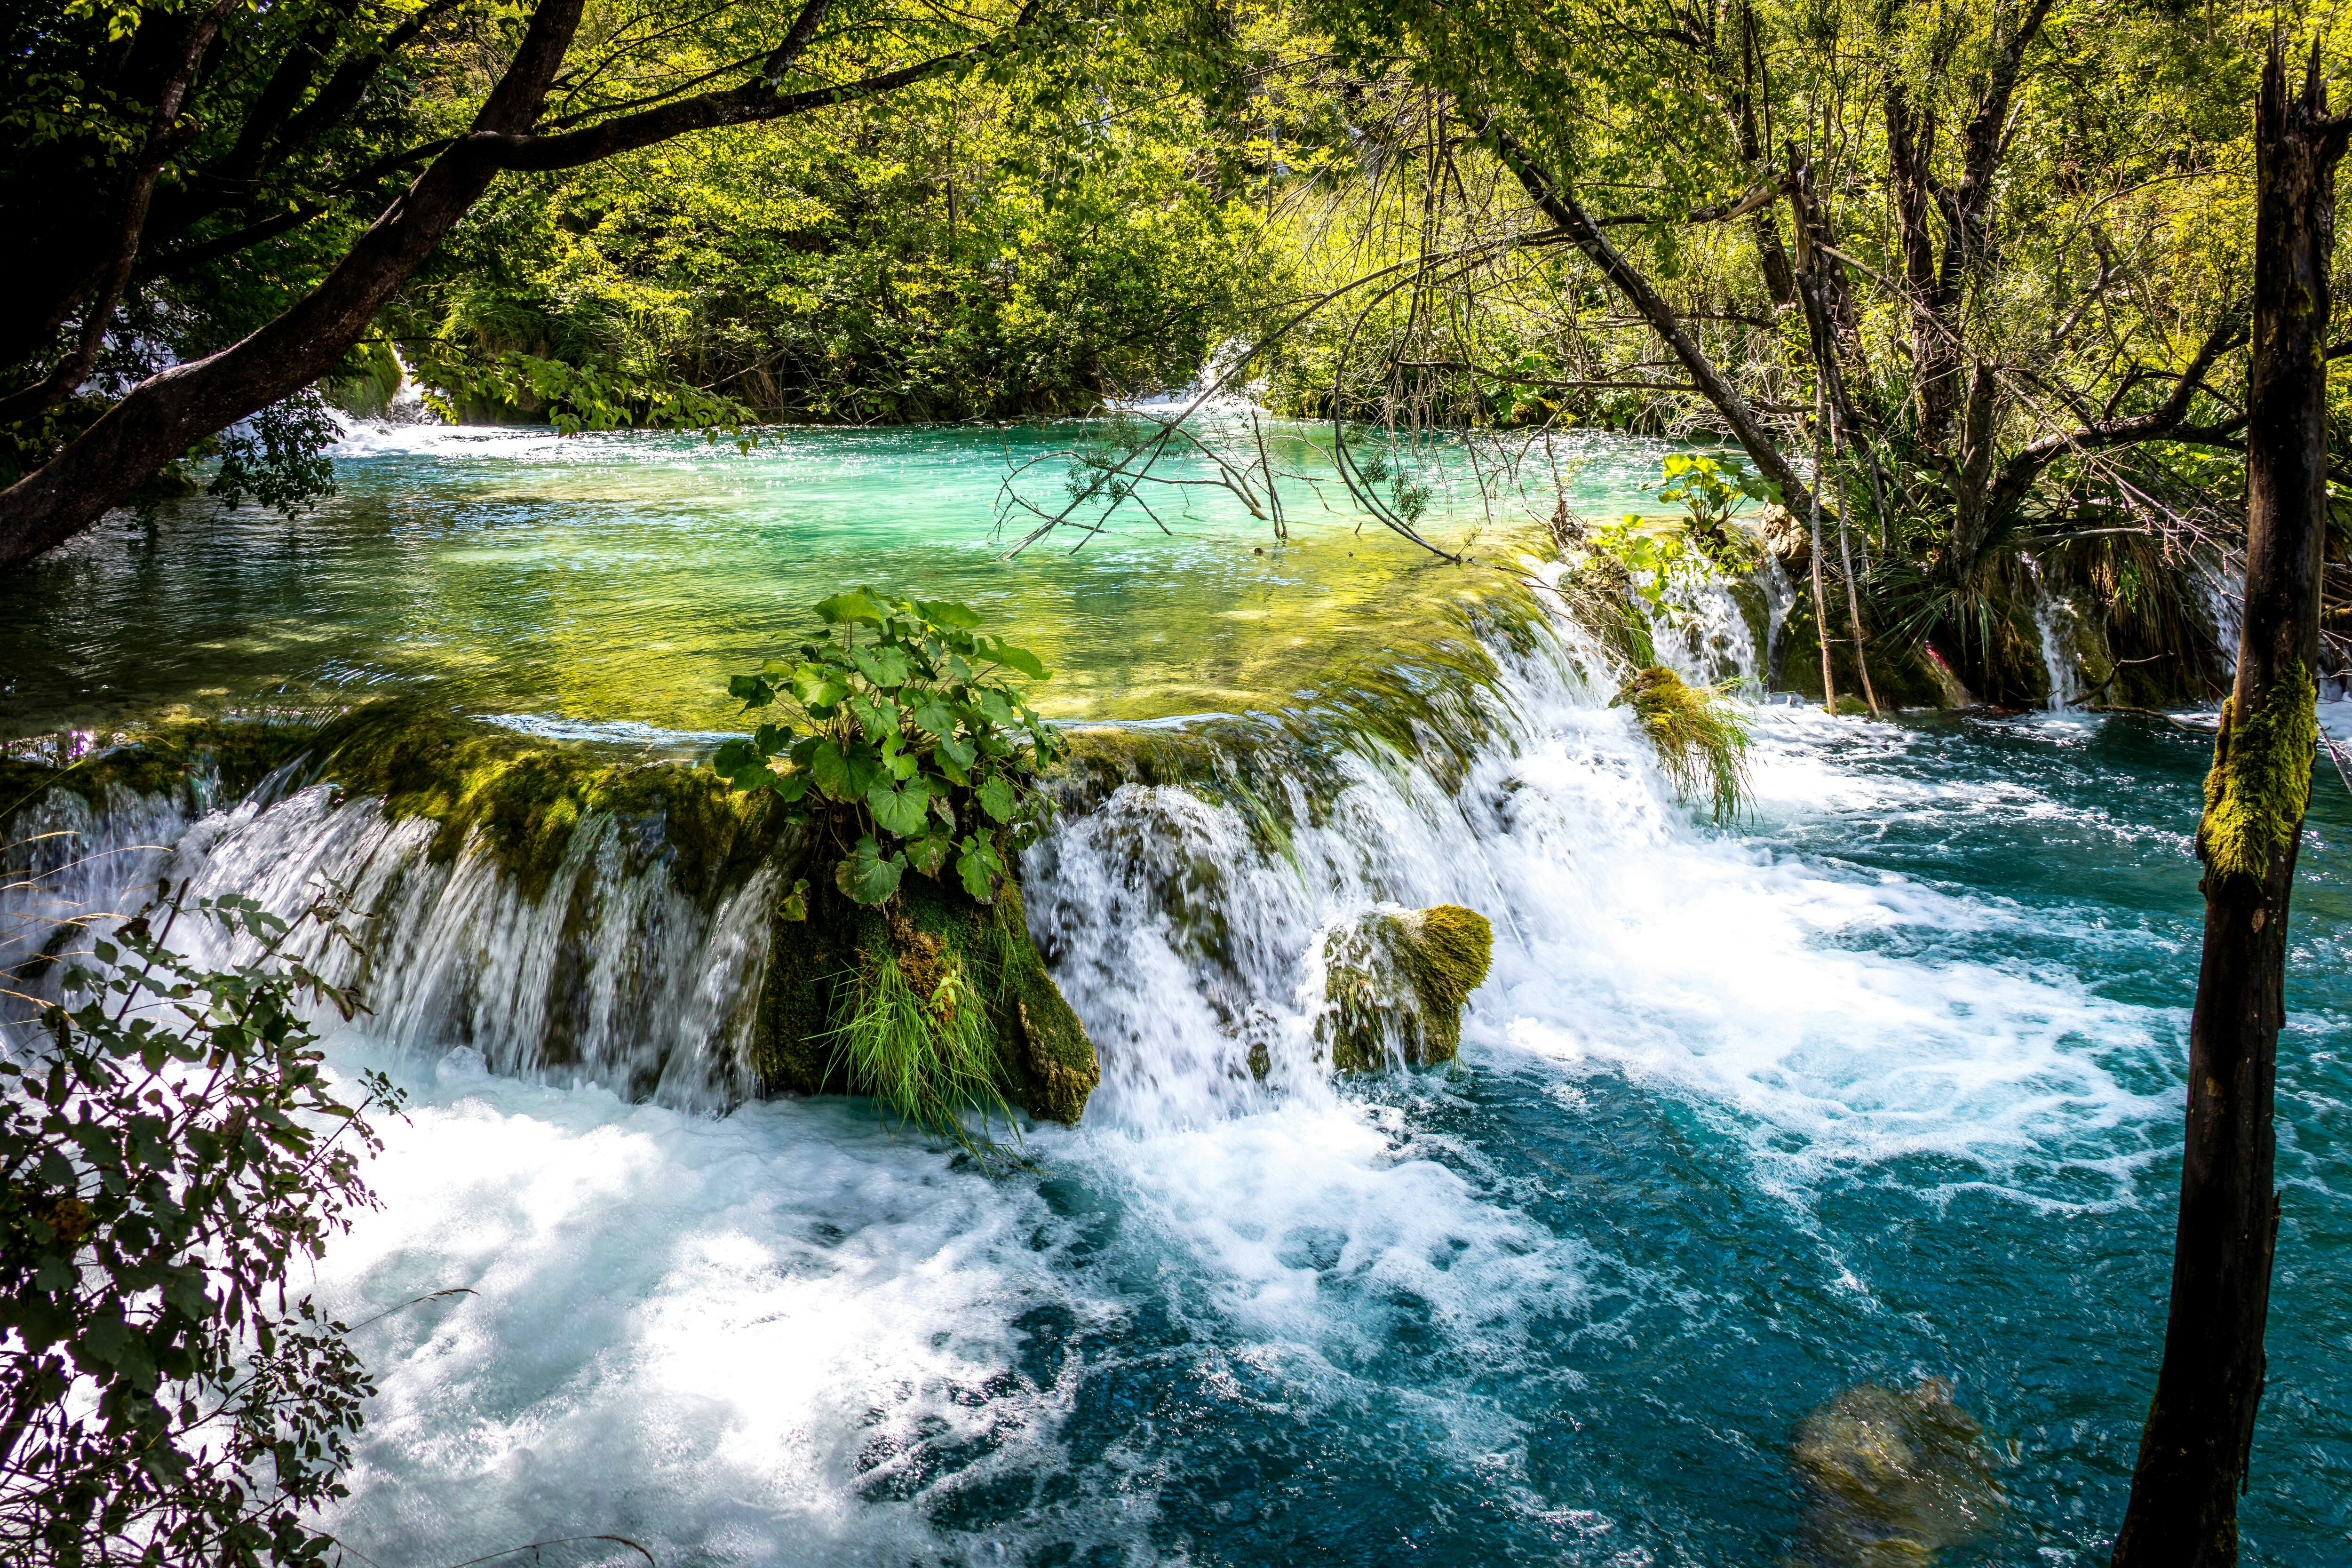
(781, 1334)
(754, 1339)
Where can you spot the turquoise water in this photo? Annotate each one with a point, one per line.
(1883, 1084)
(619, 579)
(1883, 1088)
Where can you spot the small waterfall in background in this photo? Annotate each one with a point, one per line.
(2053, 624)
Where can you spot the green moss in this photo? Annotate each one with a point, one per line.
(827, 969)
(2261, 781)
(521, 800)
(1398, 982)
(1699, 736)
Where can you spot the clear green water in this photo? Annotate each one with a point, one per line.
(619, 579)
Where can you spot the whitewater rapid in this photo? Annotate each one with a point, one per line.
(784, 1334)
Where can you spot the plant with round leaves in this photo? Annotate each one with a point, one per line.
(915, 751)
(1709, 491)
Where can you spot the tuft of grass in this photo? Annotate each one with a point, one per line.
(927, 1059)
(1699, 735)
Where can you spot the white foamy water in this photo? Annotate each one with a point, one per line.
(782, 1334)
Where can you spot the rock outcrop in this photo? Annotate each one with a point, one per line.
(1394, 986)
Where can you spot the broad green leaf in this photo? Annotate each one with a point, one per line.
(1019, 658)
(853, 606)
(844, 775)
(750, 691)
(947, 613)
(955, 752)
(898, 809)
(886, 667)
(935, 716)
(733, 756)
(995, 798)
(814, 686)
(791, 786)
(878, 715)
(864, 876)
(793, 906)
(978, 866)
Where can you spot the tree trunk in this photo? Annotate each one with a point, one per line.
(2194, 1454)
(1556, 204)
(168, 413)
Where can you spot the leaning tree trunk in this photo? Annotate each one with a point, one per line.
(2200, 1425)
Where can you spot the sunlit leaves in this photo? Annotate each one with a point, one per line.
(911, 755)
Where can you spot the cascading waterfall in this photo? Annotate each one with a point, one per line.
(786, 1333)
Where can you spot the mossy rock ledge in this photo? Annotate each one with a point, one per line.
(1044, 1063)
(1395, 983)
(522, 802)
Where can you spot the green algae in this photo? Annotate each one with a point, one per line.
(2259, 784)
(1398, 983)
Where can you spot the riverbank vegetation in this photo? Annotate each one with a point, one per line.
(1974, 280)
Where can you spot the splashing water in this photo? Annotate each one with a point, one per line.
(1744, 1119)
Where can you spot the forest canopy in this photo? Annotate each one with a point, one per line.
(1976, 272)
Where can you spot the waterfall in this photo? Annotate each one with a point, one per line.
(611, 976)
(792, 1334)
(2053, 624)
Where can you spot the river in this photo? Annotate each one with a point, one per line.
(1881, 1084)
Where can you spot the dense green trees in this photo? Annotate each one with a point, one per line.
(2003, 242)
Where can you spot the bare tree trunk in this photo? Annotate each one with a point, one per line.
(1821, 599)
(2194, 1451)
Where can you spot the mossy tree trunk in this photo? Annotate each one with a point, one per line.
(2194, 1452)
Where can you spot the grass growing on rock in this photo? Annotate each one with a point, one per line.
(1699, 736)
(915, 1035)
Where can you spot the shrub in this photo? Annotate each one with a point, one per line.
(917, 750)
(167, 1153)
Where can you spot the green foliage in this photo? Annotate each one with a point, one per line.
(2259, 784)
(969, 248)
(915, 1035)
(1699, 736)
(1710, 490)
(169, 1156)
(916, 751)
(279, 456)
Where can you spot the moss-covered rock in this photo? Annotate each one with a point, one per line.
(522, 799)
(1893, 1476)
(941, 943)
(195, 760)
(1395, 983)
